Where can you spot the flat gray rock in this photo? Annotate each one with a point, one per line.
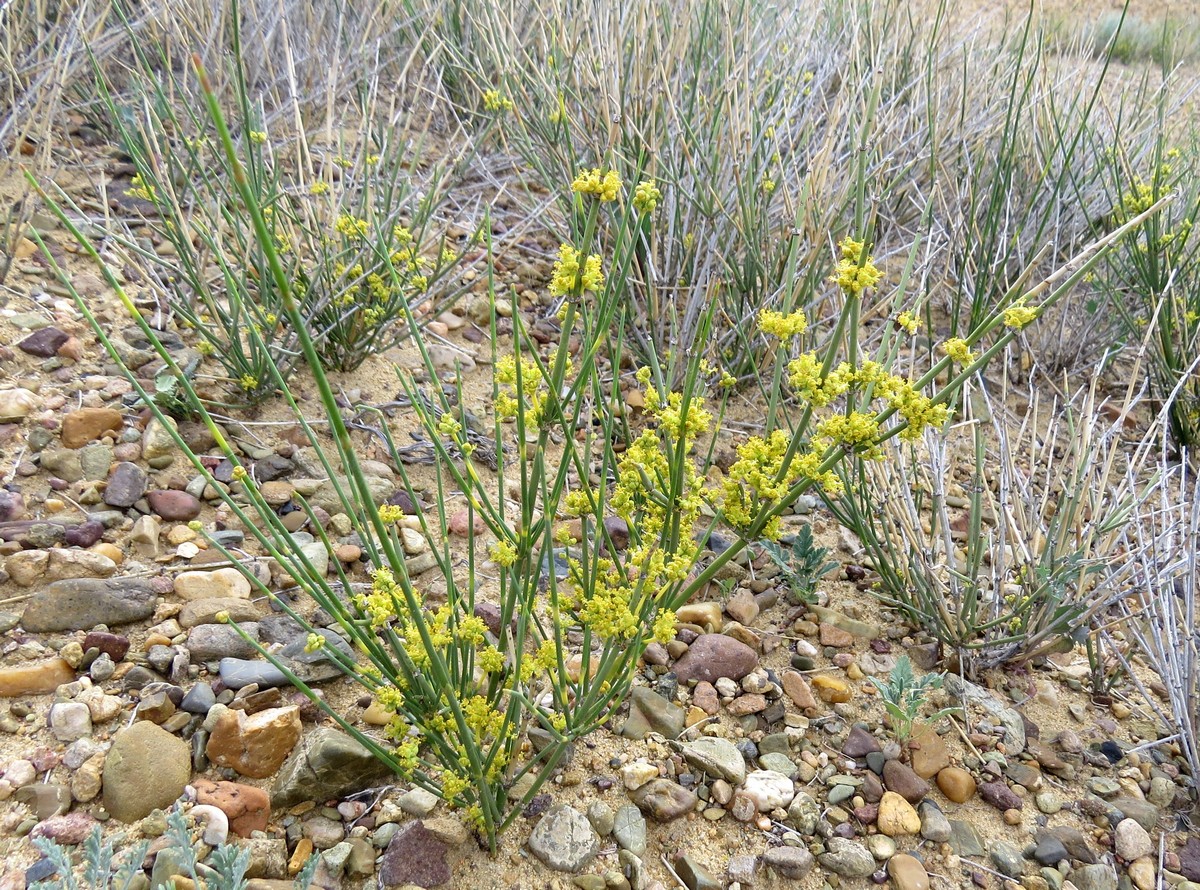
(564, 840)
(82, 603)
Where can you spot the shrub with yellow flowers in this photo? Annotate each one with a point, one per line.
(1153, 279)
(589, 529)
(352, 228)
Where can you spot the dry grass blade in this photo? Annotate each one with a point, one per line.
(1160, 603)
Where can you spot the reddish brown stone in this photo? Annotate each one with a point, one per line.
(414, 855)
(87, 424)
(713, 656)
(254, 744)
(248, 808)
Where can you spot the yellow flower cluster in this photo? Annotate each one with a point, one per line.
(314, 642)
(493, 100)
(604, 185)
(605, 609)
(856, 432)
(758, 479)
(662, 505)
(782, 326)
(908, 321)
(351, 226)
(1019, 315)
(139, 188)
(384, 601)
(663, 629)
(531, 390)
(258, 137)
(568, 279)
(389, 513)
(503, 553)
(646, 197)
(855, 271)
(958, 350)
(805, 374)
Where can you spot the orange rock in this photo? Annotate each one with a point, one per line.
(956, 783)
(798, 690)
(36, 678)
(835, 636)
(928, 753)
(831, 690)
(254, 744)
(248, 808)
(304, 849)
(87, 424)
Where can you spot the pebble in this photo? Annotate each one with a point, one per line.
(897, 817)
(225, 583)
(255, 745)
(1007, 859)
(794, 863)
(212, 642)
(706, 615)
(564, 840)
(859, 743)
(44, 799)
(70, 721)
(847, 858)
(205, 611)
(138, 751)
(768, 789)
(934, 824)
(35, 678)
(1131, 841)
(602, 817)
(1049, 851)
(900, 778)
(635, 775)
(956, 783)
(126, 485)
(881, 846)
(69, 830)
(416, 856)
(247, 808)
(717, 757)
(417, 802)
(651, 712)
(15, 404)
(629, 829)
(1000, 796)
(964, 839)
(664, 800)
(326, 764)
(831, 690)
(712, 656)
(1142, 873)
(43, 342)
(694, 875)
(324, 832)
(1048, 802)
(1094, 877)
(907, 872)
(797, 688)
(928, 754)
(84, 425)
(173, 506)
(83, 603)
